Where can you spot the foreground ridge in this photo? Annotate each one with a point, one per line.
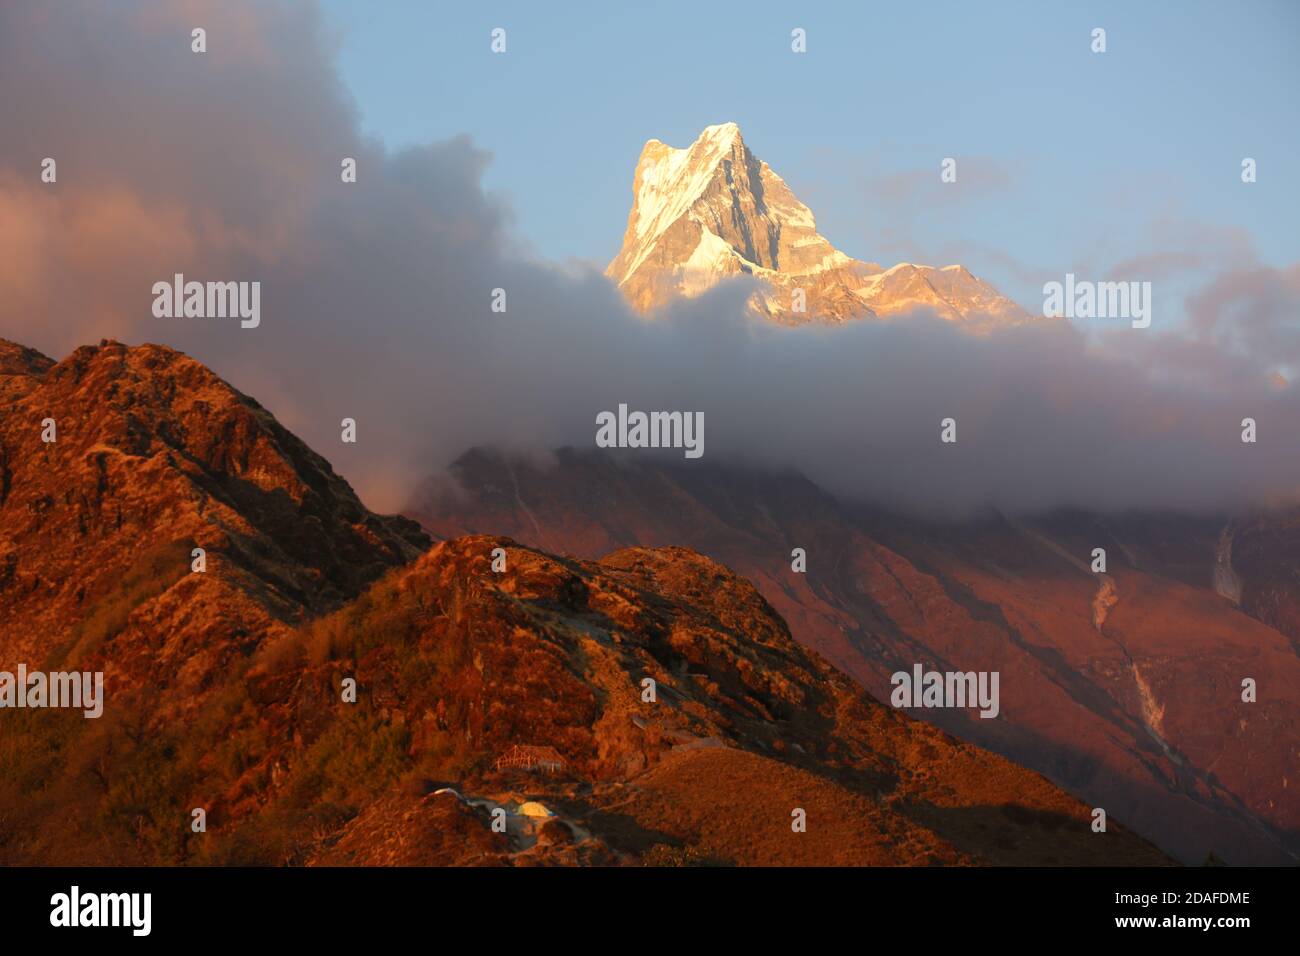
(321, 691)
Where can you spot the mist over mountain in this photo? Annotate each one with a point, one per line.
(227, 688)
(350, 525)
(376, 301)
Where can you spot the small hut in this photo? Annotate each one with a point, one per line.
(529, 757)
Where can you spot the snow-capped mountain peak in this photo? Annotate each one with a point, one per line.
(713, 210)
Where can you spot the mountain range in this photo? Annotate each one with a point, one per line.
(1124, 685)
(328, 686)
(331, 686)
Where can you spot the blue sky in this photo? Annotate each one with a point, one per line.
(1067, 159)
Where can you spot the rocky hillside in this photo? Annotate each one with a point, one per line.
(1124, 687)
(151, 456)
(326, 695)
(714, 211)
(744, 728)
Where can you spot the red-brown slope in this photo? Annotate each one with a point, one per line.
(1141, 715)
(745, 728)
(224, 688)
(154, 456)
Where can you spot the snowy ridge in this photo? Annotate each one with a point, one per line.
(713, 210)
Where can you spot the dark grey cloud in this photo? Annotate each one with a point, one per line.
(376, 300)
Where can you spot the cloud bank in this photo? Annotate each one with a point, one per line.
(376, 300)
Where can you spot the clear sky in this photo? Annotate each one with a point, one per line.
(1127, 161)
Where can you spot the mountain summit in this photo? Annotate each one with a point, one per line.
(714, 210)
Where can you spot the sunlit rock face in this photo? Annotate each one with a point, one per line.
(714, 210)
